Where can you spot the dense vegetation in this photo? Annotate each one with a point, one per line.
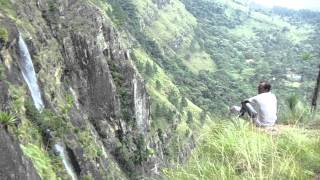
(216, 51)
(249, 45)
(200, 57)
(197, 58)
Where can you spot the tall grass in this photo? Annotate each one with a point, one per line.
(41, 161)
(296, 111)
(237, 150)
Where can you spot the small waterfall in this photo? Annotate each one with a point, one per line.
(75, 97)
(140, 103)
(66, 161)
(29, 74)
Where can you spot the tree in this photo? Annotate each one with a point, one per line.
(141, 152)
(183, 103)
(140, 66)
(173, 98)
(316, 93)
(155, 68)
(170, 115)
(189, 117)
(158, 85)
(203, 116)
(158, 110)
(148, 69)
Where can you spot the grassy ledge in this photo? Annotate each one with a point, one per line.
(237, 150)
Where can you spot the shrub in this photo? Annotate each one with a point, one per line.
(189, 118)
(4, 36)
(296, 111)
(2, 72)
(124, 157)
(7, 119)
(47, 119)
(142, 153)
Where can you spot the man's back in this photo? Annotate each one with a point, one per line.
(266, 106)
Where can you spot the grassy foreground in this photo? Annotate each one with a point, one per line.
(237, 150)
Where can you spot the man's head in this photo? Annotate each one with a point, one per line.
(264, 87)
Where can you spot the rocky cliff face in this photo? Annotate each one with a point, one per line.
(89, 85)
(13, 164)
(97, 62)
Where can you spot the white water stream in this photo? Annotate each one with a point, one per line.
(65, 160)
(29, 76)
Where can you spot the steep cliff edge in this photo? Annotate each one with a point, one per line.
(111, 89)
(96, 103)
(13, 164)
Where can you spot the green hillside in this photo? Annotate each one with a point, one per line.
(155, 27)
(250, 45)
(223, 48)
(213, 53)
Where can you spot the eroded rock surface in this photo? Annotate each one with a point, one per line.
(12, 162)
(77, 51)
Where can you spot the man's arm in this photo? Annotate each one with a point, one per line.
(249, 100)
(252, 98)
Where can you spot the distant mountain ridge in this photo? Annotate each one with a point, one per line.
(311, 6)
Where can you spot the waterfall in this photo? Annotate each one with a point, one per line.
(29, 74)
(66, 160)
(140, 103)
(75, 97)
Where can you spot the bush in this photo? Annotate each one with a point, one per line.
(189, 118)
(296, 111)
(125, 158)
(4, 36)
(7, 119)
(47, 119)
(2, 72)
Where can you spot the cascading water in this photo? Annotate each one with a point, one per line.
(66, 161)
(29, 74)
(141, 112)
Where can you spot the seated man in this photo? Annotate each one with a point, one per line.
(262, 109)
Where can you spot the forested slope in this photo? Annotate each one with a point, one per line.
(216, 51)
(127, 85)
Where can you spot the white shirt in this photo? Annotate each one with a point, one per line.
(266, 106)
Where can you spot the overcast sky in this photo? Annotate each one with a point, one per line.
(293, 4)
